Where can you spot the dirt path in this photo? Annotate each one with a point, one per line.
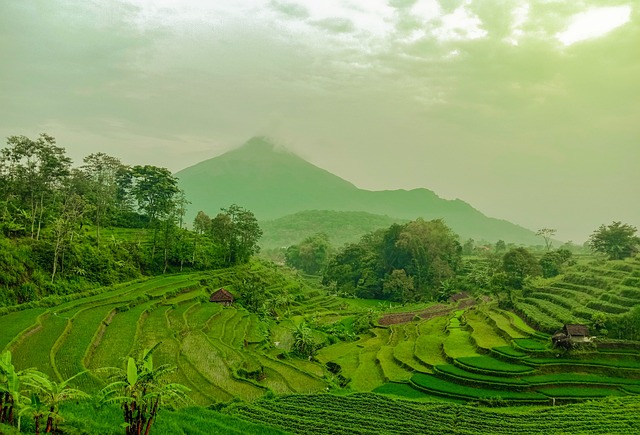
(426, 314)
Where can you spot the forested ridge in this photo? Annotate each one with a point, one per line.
(66, 228)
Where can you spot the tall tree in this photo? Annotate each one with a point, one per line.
(101, 172)
(518, 264)
(31, 170)
(310, 255)
(547, 234)
(435, 252)
(617, 240)
(155, 191)
(238, 231)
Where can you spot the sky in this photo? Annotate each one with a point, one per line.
(529, 110)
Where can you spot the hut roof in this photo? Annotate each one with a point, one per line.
(221, 295)
(577, 330)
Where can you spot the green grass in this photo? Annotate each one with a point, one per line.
(404, 350)
(483, 333)
(440, 386)
(12, 324)
(119, 334)
(458, 344)
(504, 323)
(579, 392)
(402, 390)
(33, 349)
(518, 323)
(530, 344)
(369, 374)
(489, 364)
(391, 370)
(428, 346)
(71, 349)
(509, 352)
(451, 370)
(579, 378)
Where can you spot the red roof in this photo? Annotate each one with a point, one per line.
(221, 295)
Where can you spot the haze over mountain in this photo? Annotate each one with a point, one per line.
(273, 182)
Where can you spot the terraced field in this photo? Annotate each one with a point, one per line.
(455, 352)
(612, 288)
(374, 414)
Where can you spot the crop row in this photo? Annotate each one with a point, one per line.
(358, 414)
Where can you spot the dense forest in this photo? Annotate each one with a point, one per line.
(65, 228)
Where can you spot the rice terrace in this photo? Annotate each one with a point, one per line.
(374, 217)
(308, 358)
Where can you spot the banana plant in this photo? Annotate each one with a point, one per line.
(141, 389)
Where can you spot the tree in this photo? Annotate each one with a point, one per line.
(30, 171)
(303, 342)
(518, 264)
(399, 287)
(73, 209)
(547, 234)
(435, 253)
(238, 231)
(311, 255)
(617, 240)
(469, 247)
(101, 173)
(155, 191)
(141, 389)
(553, 262)
(52, 394)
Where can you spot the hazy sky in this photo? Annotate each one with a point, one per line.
(528, 110)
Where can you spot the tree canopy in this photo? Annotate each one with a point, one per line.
(616, 240)
(403, 263)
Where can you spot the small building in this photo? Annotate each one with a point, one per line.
(577, 333)
(222, 296)
(571, 335)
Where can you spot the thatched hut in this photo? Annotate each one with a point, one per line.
(222, 296)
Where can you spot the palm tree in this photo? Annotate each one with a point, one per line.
(141, 389)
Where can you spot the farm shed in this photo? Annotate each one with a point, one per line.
(571, 334)
(222, 296)
(576, 333)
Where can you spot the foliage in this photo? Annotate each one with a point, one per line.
(617, 240)
(403, 263)
(547, 234)
(310, 255)
(141, 389)
(518, 264)
(65, 229)
(552, 263)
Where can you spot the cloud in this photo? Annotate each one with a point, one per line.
(594, 23)
(292, 10)
(335, 25)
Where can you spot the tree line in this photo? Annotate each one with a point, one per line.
(423, 260)
(54, 217)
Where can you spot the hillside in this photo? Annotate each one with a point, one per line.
(471, 351)
(272, 183)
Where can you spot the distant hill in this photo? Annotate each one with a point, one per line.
(273, 182)
(341, 227)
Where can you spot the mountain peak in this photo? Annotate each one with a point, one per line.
(260, 144)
